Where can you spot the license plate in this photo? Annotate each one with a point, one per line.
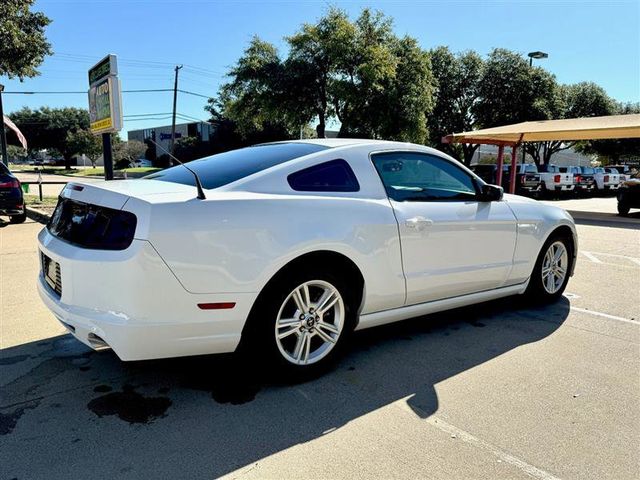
(52, 274)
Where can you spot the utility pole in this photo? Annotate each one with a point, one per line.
(175, 101)
(3, 136)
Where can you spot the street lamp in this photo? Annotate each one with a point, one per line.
(537, 56)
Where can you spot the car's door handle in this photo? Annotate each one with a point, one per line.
(418, 223)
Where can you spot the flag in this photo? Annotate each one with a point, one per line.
(12, 126)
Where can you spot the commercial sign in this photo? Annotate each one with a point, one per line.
(105, 67)
(105, 99)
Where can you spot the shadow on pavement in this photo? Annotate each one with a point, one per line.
(600, 219)
(68, 412)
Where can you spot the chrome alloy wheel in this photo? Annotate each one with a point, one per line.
(310, 322)
(554, 267)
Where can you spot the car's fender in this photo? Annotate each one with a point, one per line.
(238, 242)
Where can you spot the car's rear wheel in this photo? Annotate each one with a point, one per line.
(300, 323)
(18, 218)
(551, 272)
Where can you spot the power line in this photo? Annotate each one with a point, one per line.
(194, 94)
(84, 92)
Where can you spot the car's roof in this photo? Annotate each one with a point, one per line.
(340, 142)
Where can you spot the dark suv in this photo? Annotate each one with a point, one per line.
(11, 199)
(527, 177)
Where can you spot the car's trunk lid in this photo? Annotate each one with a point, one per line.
(115, 193)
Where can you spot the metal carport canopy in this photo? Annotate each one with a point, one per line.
(589, 128)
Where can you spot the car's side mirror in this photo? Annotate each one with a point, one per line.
(490, 193)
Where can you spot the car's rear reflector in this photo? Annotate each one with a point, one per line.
(216, 306)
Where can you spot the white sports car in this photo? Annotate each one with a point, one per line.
(294, 245)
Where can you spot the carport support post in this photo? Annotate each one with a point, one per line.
(512, 176)
(499, 165)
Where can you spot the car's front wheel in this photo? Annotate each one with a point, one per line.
(301, 322)
(551, 272)
(623, 208)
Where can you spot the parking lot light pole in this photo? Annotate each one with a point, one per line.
(537, 55)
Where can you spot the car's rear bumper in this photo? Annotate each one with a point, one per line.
(11, 202)
(563, 188)
(132, 302)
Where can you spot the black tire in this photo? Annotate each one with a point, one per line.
(536, 292)
(259, 342)
(18, 218)
(544, 191)
(623, 208)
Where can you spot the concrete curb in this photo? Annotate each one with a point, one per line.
(37, 215)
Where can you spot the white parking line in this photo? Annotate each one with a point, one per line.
(614, 255)
(606, 315)
(466, 437)
(591, 257)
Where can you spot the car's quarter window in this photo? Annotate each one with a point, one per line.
(410, 176)
(332, 176)
(223, 168)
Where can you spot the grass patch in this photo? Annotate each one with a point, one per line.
(134, 172)
(34, 201)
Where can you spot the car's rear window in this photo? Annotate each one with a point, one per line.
(224, 168)
(3, 169)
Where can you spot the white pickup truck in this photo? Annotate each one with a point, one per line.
(553, 180)
(606, 180)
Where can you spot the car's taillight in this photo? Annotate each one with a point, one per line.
(606, 178)
(10, 184)
(578, 178)
(556, 179)
(92, 226)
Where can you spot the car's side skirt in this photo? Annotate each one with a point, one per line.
(394, 315)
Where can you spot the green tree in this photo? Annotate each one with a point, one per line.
(613, 151)
(252, 99)
(15, 152)
(23, 44)
(456, 97)
(47, 128)
(126, 152)
(357, 73)
(511, 91)
(83, 141)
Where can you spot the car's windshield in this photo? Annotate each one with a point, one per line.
(227, 167)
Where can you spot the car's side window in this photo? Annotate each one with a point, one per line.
(409, 176)
(332, 176)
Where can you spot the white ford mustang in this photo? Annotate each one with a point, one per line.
(295, 245)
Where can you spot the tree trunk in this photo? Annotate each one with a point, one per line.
(67, 162)
(320, 129)
(469, 150)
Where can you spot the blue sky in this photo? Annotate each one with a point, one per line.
(586, 41)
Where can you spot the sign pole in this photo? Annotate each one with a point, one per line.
(108, 156)
(105, 106)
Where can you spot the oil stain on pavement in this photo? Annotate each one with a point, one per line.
(130, 406)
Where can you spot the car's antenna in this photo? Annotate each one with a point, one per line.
(201, 195)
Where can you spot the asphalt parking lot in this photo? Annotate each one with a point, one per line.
(494, 391)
